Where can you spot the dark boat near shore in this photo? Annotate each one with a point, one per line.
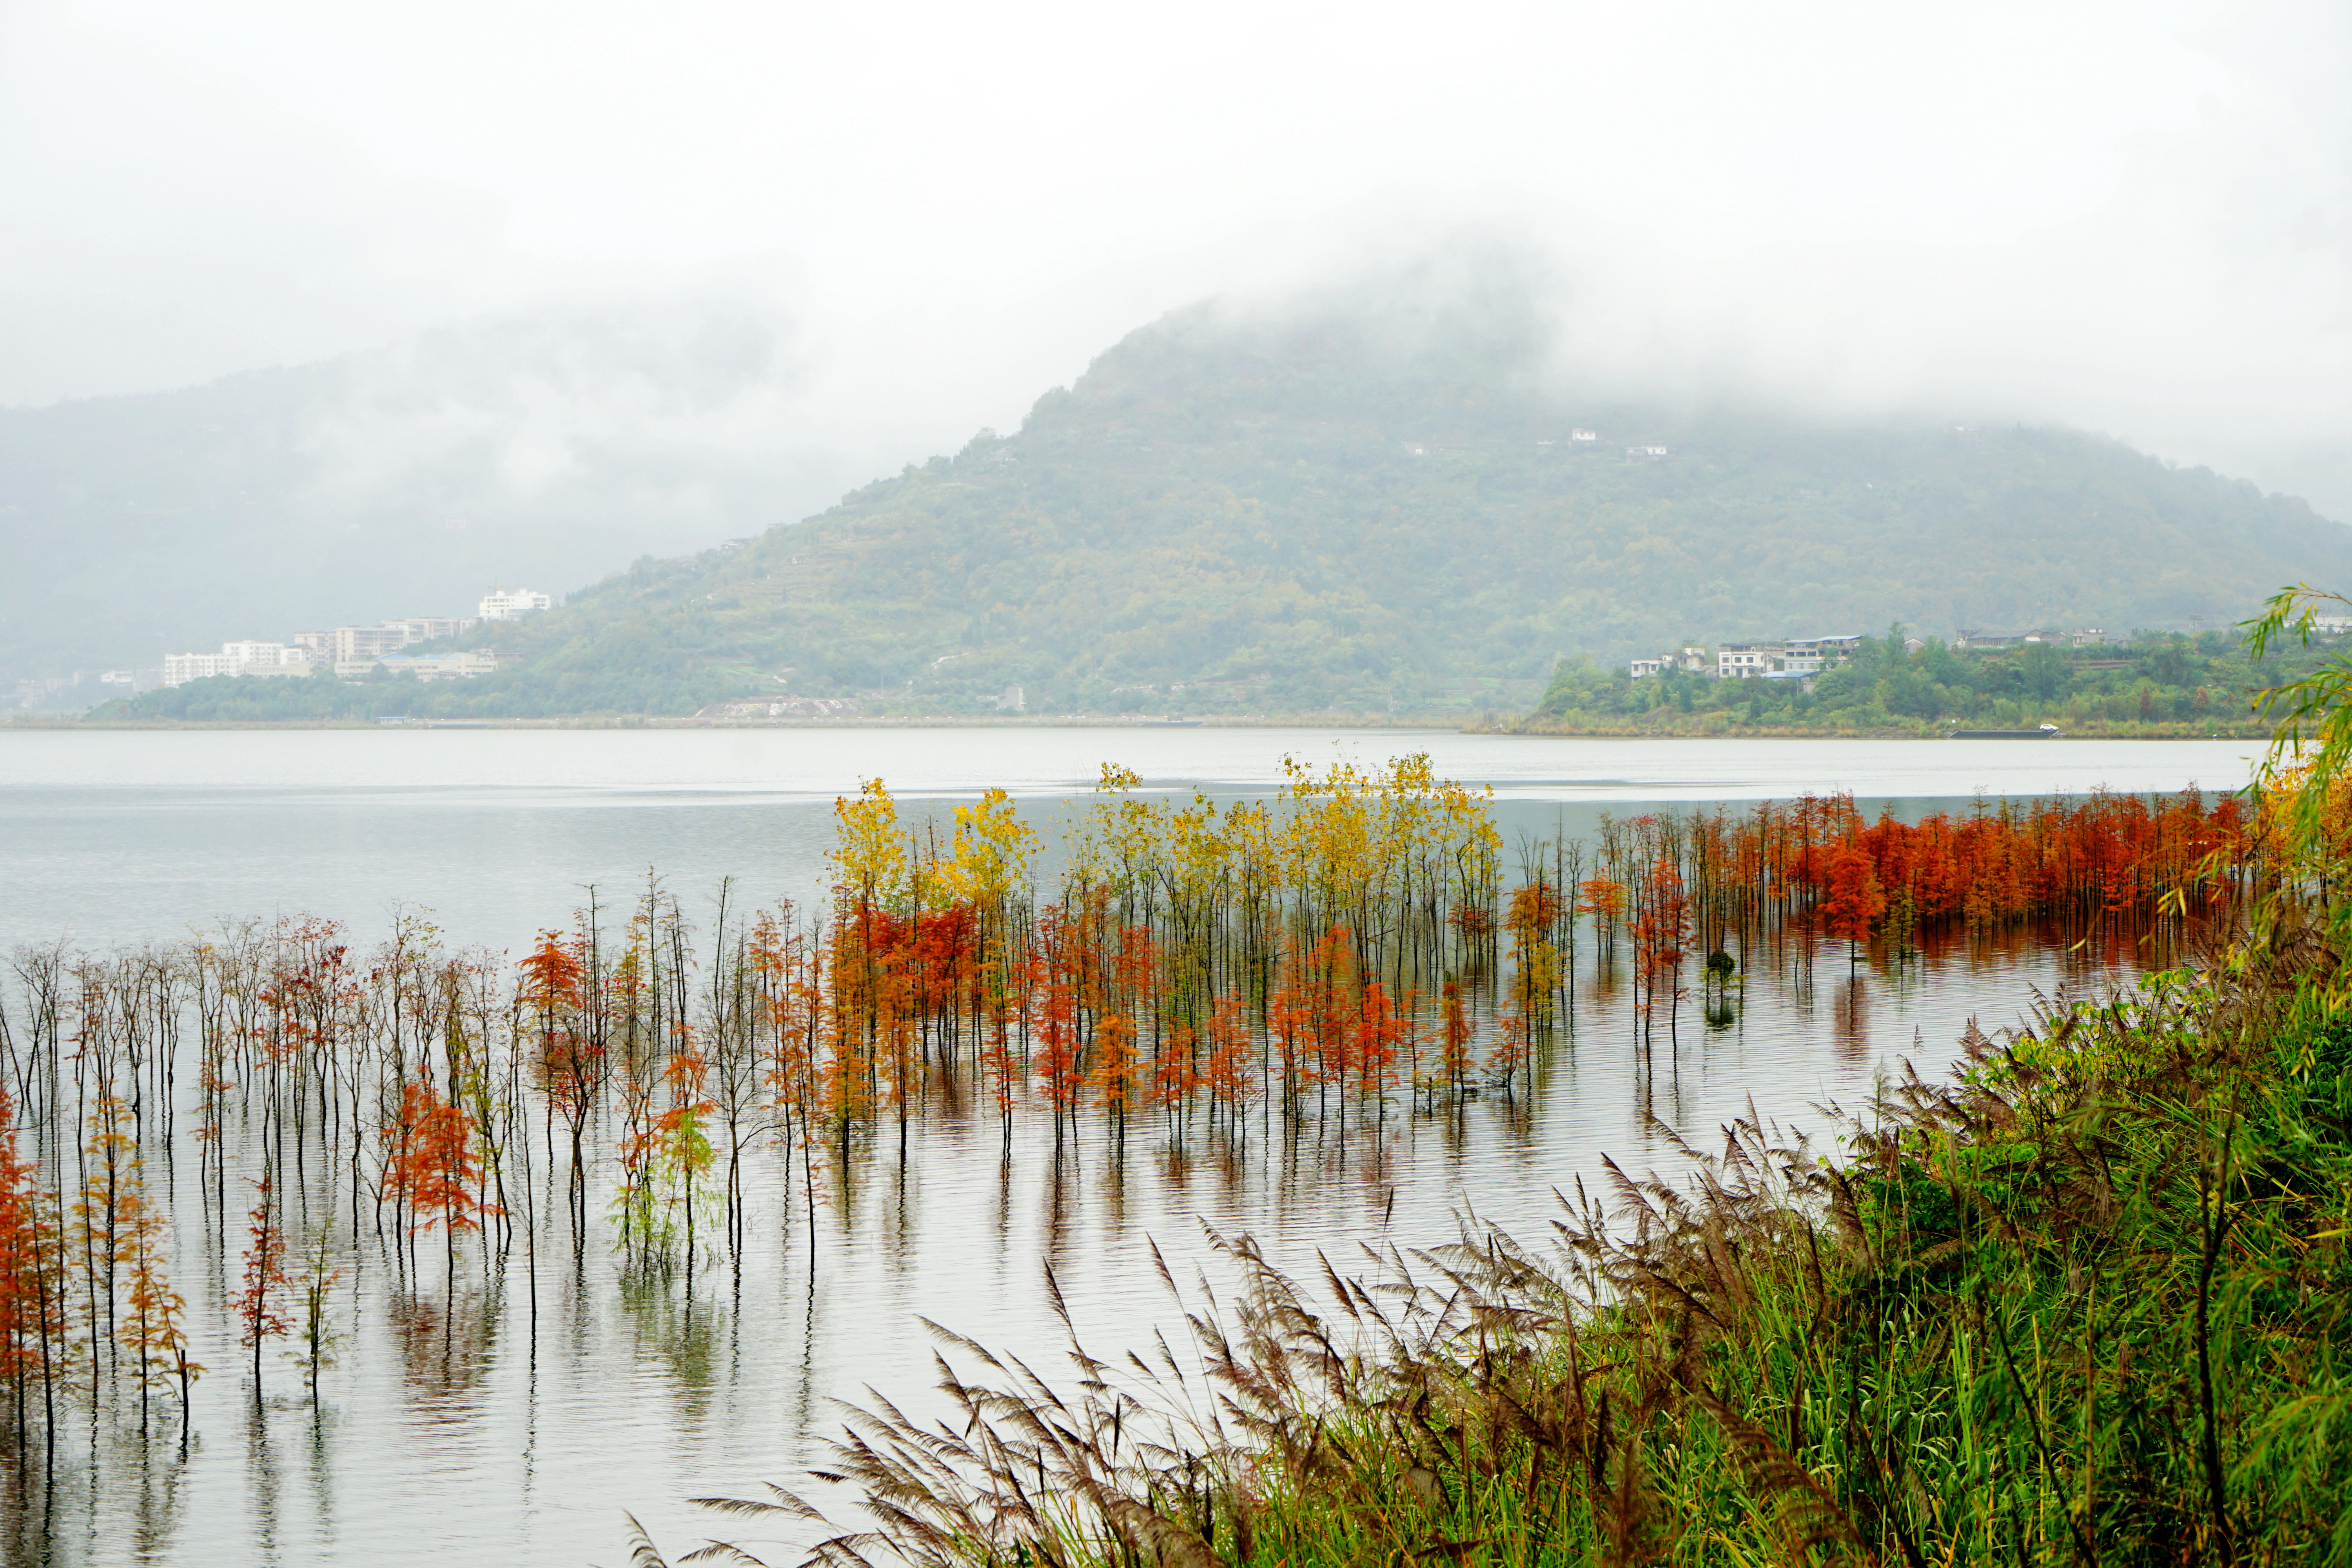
(2046, 732)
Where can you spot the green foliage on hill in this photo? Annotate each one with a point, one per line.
(1378, 510)
(1224, 515)
(2157, 684)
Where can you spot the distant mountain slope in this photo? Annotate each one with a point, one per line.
(1367, 510)
(400, 481)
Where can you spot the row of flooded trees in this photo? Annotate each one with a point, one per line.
(1360, 947)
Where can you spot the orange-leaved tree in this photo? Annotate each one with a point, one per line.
(438, 1170)
(1855, 900)
(255, 1303)
(152, 1327)
(570, 1062)
(32, 1308)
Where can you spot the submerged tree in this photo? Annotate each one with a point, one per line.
(256, 1303)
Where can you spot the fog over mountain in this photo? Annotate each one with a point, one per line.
(1406, 489)
(547, 449)
(555, 287)
(1384, 432)
(2131, 217)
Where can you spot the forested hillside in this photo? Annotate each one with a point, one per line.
(1394, 512)
(2159, 684)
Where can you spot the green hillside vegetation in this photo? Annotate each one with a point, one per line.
(1342, 514)
(2157, 684)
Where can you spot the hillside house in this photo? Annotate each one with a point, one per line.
(1740, 661)
(1806, 656)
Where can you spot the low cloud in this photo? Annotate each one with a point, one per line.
(2135, 219)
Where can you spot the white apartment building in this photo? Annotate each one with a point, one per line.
(237, 659)
(1740, 660)
(512, 604)
(424, 666)
(1805, 655)
(1644, 668)
(265, 654)
(179, 668)
(431, 629)
(347, 643)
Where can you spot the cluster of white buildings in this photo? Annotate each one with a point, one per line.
(1790, 659)
(1798, 657)
(235, 659)
(353, 651)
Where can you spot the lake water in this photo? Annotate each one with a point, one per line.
(115, 836)
(513, 1418)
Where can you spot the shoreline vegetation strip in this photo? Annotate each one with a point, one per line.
(2153, 683)
(1663, 726)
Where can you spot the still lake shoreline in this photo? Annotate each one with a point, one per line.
(1384, 722)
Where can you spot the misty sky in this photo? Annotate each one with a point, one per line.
(2134, 217)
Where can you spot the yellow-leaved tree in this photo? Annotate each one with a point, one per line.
(869, 854)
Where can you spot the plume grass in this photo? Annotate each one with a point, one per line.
(2083, 1301)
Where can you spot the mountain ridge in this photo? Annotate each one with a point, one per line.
(1376, 508)
(393, 481)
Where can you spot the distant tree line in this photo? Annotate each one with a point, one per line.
(2156, 683)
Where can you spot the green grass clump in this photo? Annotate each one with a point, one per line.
(2082, 1303)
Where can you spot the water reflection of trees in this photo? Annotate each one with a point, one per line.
(683, 1330)
(446, 1343)
(1850, 1019)
(1296, 1159)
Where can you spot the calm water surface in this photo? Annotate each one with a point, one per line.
(513, 1419)
(121, 837)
